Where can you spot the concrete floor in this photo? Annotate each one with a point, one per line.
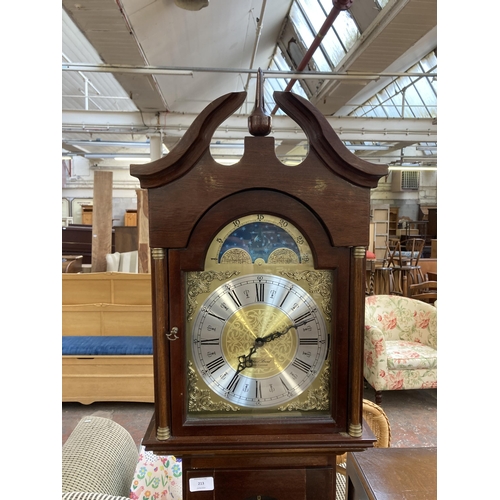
(412, 414)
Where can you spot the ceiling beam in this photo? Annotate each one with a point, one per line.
(236, 127)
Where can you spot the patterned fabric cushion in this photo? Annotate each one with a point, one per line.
(404, 355)
(85, 495)
(157, 477)
(107, 345)
(98, 456)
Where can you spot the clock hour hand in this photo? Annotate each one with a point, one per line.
(245, 361)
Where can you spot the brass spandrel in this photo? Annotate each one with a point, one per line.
(319, 283)
(200, 400)
(317, 398)
(200, 282)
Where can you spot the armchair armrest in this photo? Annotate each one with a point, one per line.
(374, 351)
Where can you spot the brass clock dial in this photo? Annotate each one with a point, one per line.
(259, 340)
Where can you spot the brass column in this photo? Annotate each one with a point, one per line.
(358, 262)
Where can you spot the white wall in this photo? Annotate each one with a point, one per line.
(408, 202)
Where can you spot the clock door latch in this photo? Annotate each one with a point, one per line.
(173, 334)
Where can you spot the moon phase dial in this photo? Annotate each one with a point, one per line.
(259, 239)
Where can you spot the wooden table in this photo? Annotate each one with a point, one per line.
(392, 473)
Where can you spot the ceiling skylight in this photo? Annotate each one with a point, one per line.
(406, 96)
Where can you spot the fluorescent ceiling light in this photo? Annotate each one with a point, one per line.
(136, 159)
(409, 168)
(320, 76)
(119, 68)
(366, 147)
(128, 144)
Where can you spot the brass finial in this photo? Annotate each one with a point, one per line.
(259, 124)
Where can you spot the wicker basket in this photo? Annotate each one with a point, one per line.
(378, 422)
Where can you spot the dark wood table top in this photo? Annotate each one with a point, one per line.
(394, 473)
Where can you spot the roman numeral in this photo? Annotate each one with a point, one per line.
(233, 383)
(259, 292)
(235, 298)
(284, 385)
(303, 317)
(215, 316)
(301, 365)
(210, 341)
(308, 341)
(214, 365)
(283, 301)
(258, 390)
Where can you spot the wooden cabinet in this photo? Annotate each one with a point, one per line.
(393, 220)
(131, 218)
(87, 214)
(371, 474)
(429, 214)
(77, 240)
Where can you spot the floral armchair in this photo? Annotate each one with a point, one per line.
(400, 345)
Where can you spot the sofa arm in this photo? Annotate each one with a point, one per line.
(99, 456)
(375, 356)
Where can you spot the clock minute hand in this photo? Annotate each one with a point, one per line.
(245, 361)
(276, 335)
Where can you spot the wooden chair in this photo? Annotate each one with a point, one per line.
(426, 291)
(381, 274)
(405, 263)
(379, 424)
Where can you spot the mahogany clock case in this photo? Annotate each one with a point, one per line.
(191, 259)
(191, 198)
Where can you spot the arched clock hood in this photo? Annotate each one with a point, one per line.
(331, 181)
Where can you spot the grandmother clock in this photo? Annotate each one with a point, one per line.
(258, 274)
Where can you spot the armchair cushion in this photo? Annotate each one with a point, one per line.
(404, 355)
(129, 262)
(125, 262)
(112, 262)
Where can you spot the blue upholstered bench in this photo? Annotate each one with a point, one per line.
(107, 346)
